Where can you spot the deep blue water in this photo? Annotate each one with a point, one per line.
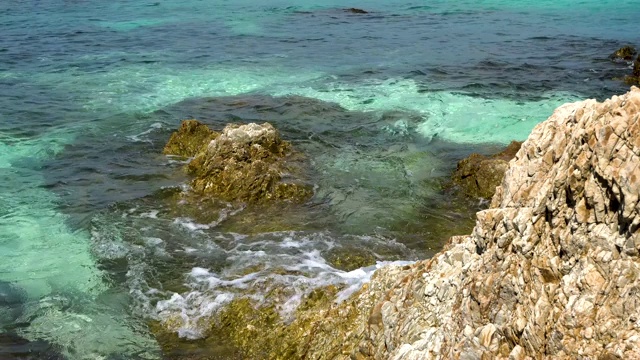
(382, 103)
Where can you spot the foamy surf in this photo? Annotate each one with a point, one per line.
(191, 314)
(229, 265)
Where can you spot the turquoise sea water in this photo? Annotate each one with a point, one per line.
(382, 103)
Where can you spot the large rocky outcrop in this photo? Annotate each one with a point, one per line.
(551, 270)
(248, 163)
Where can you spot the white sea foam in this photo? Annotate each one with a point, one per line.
(153, 214)
(357, 278)
(290, 261)
(223, 214)
(253, 266)
(190, 224)
(141, 137)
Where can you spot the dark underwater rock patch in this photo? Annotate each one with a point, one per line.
(634, 78)
(356, 11)
(625, 53)
(479, 175)
(12, 299)
(14, 347)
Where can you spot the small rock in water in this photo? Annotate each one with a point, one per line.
(634, 78)
(625, 53)
(244, 163)
(356, 11)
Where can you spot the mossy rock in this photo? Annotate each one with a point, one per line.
(176, 348)
(246, 329)
(625, 53)
(479, 175)
(349, 258)
(634, 78)
(261, 333)
(190, 139)
(246, 163)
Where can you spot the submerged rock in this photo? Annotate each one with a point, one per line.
(356, 11)
(248, 163)
(634, 78)
(12, 299)
(625, 53)
(350, 258)
(479, 175)
(15, 347)
(551, 270)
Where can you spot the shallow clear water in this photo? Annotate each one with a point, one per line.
(92, 244)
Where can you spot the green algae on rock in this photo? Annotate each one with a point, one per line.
(634, 78)
(350, 258)
(625, 53)
(479, 175)
(260, 332)
(190, 139)
(176, 348)
(248, 163)
(247, 329)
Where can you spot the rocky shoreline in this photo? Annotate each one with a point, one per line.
(550, 270)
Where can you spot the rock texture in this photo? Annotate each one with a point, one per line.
(356, 11)
(479, 175)
(625, 53)
(248, 163)
(634, 78)
(551, 270)
(190, 139)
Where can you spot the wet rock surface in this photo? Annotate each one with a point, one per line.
(248, 163)
(352, 160)
(634, 78)
(625, 53)
(356, 11)
(479, 175)
(551, 269)
(190, 139)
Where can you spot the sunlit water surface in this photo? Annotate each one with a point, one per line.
(92, 243)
